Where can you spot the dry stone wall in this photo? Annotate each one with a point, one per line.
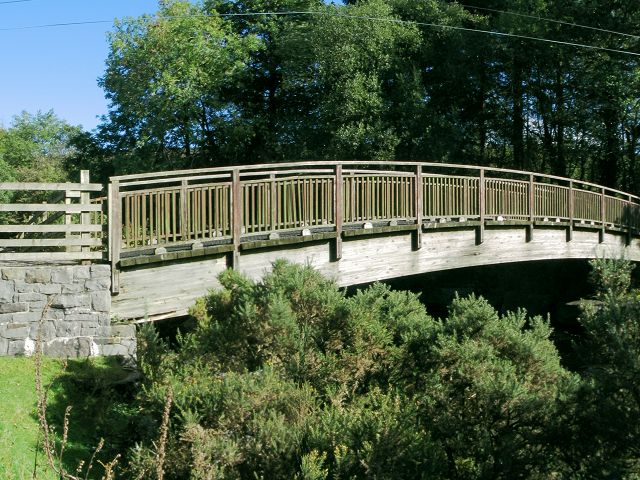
(76, 303)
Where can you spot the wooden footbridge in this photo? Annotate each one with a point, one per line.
(167, 235)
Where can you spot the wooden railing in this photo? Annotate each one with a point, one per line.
(219, 205)
(65, 227)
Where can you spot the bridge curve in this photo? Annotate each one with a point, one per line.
(171, 233)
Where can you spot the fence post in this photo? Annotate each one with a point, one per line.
(184, 212)
(338, 212)
(419, 206)
(571, 212)
(481, 207)
(236, 218)
(273, 202)
(603, 214)
(115, 233)
(532, 206)
(628, 218)
(85, 217)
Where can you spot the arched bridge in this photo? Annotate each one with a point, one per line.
(167, 235)
(171, 233)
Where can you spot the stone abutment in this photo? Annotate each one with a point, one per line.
(67, 306)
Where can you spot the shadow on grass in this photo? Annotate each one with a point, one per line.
(102, 402)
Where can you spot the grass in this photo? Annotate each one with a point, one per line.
(98, 409)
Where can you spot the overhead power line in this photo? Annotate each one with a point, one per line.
(550, 20)
(15, 1)
(353, 17)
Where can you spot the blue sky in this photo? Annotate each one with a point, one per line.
(57, 68)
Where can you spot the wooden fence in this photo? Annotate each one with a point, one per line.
(66, 226)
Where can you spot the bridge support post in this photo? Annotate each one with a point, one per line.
(419, 206)
(115, 234)
(338, 214)
(571, 214)
(233, 259)
(603, 215)
(532, 206)
(481, 208)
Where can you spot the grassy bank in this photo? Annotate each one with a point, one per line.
(98, 409)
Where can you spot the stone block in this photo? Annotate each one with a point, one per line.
(68, 301)
(16, 347)
(7, 290)
(31, 297)
(82, 272)
(38, 275)
(72, 288)
(55, 314)
(24, 287)
(13, 273)
(100, 271)
(4, 347)
(49, 288)
(16, 331)
(97, 284)
(27, 317)
(68, 347)
(114, 350)
(101, 301)
(67, 329)
(14, 307)
(63, 276)
(48, 330)
(123, 331)
(6, 318)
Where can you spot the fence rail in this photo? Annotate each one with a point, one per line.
(65, 226)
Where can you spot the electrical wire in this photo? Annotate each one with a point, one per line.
(551, 20)
(353, 17)
(15, 1)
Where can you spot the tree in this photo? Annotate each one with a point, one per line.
(166, 79)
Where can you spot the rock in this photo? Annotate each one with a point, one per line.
(38, 275)
(7, 290)
(63, 276)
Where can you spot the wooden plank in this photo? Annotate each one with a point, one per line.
(236, 216)
(47, 207)
(51, 228)
(50, 256)
(115, 233)
(80, 187)
(51, 242)
(338, 211)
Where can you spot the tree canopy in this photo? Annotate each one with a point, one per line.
(209, 83)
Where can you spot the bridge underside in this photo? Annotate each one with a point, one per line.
(169, 287)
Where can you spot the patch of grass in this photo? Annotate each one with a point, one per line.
(100, 407)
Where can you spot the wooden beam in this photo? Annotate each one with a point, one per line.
(50, 242)
(115, 234)
(338, 212)
(481, 207)
(236, 218)
(81, 187)
(47, 207)
(50, 256)
(418, 200)
(51, 228)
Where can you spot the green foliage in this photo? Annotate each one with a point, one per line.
(289, 378)
(610, 354)
(361, 80)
